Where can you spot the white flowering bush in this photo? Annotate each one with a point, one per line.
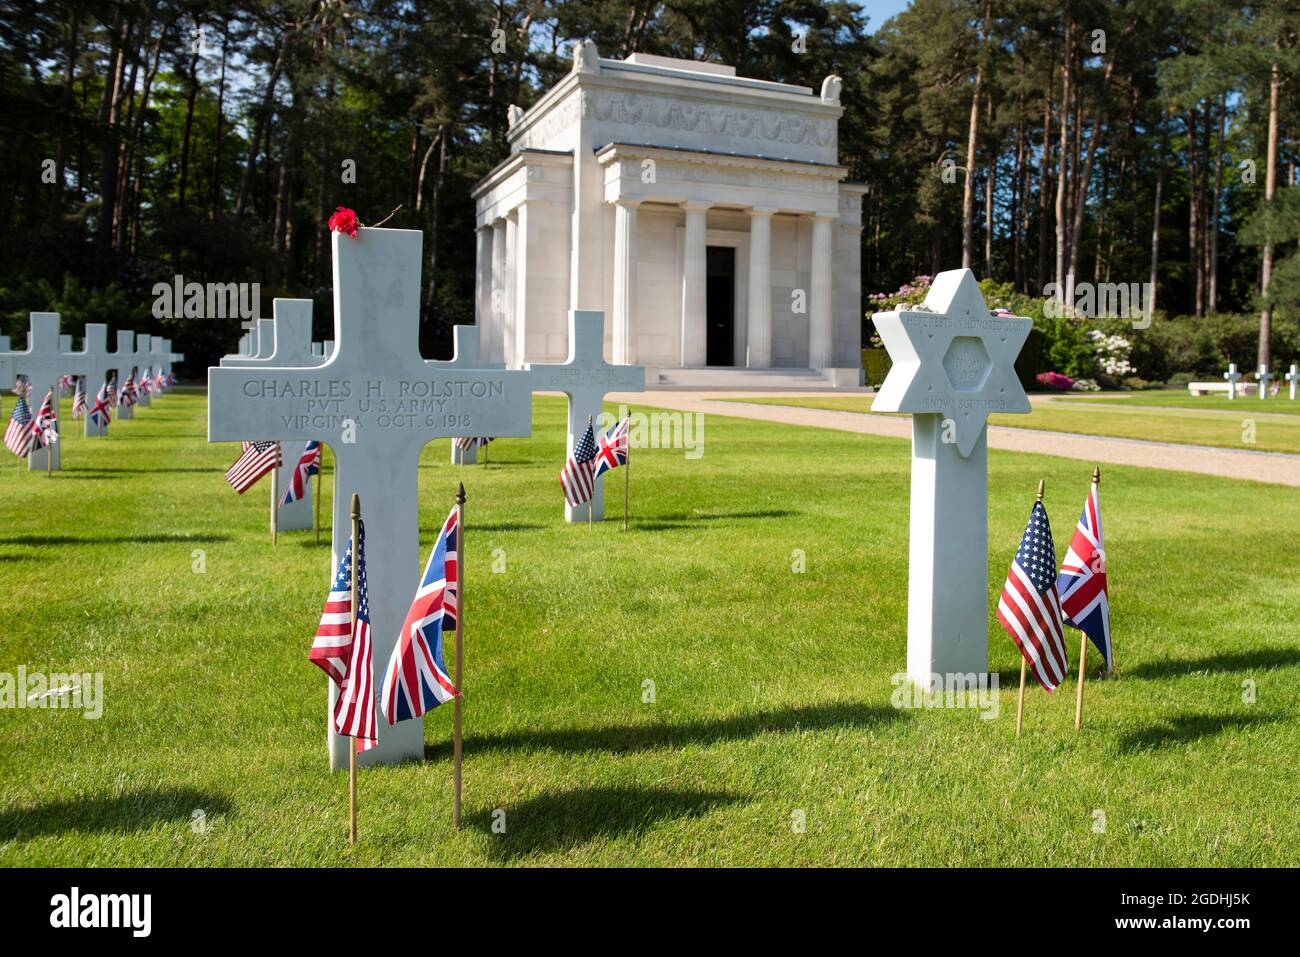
(1113, 354)
(1085, 385)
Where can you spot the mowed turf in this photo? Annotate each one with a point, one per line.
(1255, 429)
(772, 689)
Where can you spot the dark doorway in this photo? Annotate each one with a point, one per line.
(721, 306)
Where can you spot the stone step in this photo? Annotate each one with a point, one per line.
(757, 379)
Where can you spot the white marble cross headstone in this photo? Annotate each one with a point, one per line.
(1233, 377)
(585, 377)
(43, 362)
(119, 362)
(143, 355)
(465, 355)
(953, 365)
(376, 402)
(1263, 375)
(4, 344)
(288, 333)
(95, 349)
(257, 344)
(1292, 377)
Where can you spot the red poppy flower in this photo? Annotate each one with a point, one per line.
(344, 220)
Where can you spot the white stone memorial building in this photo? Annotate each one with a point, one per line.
(704, 213)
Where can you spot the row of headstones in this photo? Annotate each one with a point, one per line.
(1262, 376)
(49, 356)
(376, 402)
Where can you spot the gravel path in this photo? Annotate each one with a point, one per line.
(1274, 467)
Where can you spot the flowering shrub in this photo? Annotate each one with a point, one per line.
(1086, 385)
(908, 294)
(1054, 380)
(1113, 353)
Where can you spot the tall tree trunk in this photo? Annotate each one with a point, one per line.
(137, 133)
(1270, 187)
(188, 129)
(1155, 217)
(1044, 166)
(1085, 176)
(435, 208)
(214, 193)
(260, 124)
(109, 153)
(1062, 160)
(972, 135)
(990, 184)
(61, 155)
(1017, 193)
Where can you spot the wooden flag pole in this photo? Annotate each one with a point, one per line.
(275, 495)
(627, 475)
(320, 474)
(460, 654)
(1083, 644)
(352, 741)
(1020, 704)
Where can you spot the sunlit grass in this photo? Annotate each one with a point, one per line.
(771, 689)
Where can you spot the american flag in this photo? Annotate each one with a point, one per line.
(101, 412)
(79, 398)
(1082, 584)
(467, 442)
(146, 383)
(18, 434)
(112, 391)
(346, 656)
(613, 448)
(65, 384)
(45, 430)
(576, 478)
(1029, 608)
(21, 386)
(127, 396)
(308, 465)
(416, 679)
(256, 460)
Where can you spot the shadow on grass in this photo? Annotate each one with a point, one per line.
(154, 539)
(1186, 728)
(132, 811)
(1258, 660)
(661, 523)
(554, 822)
(104, 473)
(623, 738)
(472, 527)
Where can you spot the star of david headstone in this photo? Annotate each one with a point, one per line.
(953, 365)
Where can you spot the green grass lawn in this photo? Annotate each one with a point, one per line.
(1115, 417)
(1182, 399)
(772, 689)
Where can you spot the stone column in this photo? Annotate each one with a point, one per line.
(511, 289)
(483, 290)
(694, 286)
(760, 287)
(624, 280)
(495, 343)
(820, 303)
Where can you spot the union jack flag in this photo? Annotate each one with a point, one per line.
(79, 398)
(112, 391)
(65, 384)
(1030, 609)
(613, 448)
(45, 430)
(1085, 599)
(160, 381)
(101, 412)
(146, 383)
(254, 461)
(171, 378)
(467, 442)
(127, 396)
(18, 433)
(416, 680)
(576, 476)
(346, 655)
(308, 465)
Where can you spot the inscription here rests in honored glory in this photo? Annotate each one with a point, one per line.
(376, 403)
(954, 364)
